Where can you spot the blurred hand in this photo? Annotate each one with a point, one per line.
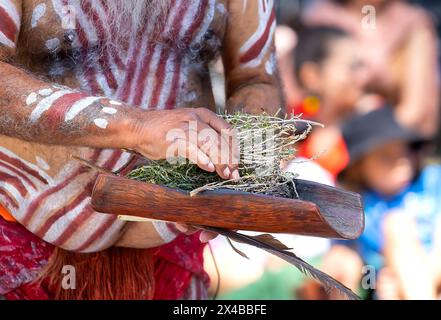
(188, 230)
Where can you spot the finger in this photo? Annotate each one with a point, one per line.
(213, 120)
(217, 147)
(206, 236)
(226, 131)
(191, 152)
(181, 227)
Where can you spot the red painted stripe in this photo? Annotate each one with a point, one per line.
(87, 191)
(18, 173)
(113, 51)
(160, 71)
(172, 228)
(145, 70)
(57, 113)
(171, 101)
(22, 166)
(98, 233)
(7, 25)
(15, 182)
(202, 13)
(9, 198)
(74, 226)
(257, 48)
(88, 70)
(65, 209)
(132, 68)
(102, 37)
(42, 197)
(129, 166)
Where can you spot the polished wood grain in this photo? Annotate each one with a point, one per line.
(321, 211)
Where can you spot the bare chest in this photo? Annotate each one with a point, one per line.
(57, 36)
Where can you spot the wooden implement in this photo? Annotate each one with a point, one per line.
(321, 211)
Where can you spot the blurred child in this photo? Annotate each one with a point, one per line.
(402, 202)
(399, 48)
(330, 73)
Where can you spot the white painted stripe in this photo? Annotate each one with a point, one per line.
(168, 80)
(60, 225)
(264, 17)
(258, 60)
(150, 83)
(79, 106)
(84, 22)
(102, 82)
(105, 22)
(122, 162)
(12, 11)
(163, 231)
(26, 184)
(5, 40)
(28, 164)
(136, 78)
(207, 22)
(58, 199)
(189, 17)
(37, 14)
(106, 240)
(12, 191)
(46, 104)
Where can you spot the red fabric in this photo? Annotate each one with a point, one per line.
(177, 262)
(22, 255)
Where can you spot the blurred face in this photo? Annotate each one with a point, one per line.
(389, 169)
(341, 76)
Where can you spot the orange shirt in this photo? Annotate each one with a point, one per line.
(4, 213)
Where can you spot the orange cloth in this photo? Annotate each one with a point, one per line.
(4, 213)
(334, 160)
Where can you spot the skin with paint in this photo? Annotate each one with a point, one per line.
(77, 78)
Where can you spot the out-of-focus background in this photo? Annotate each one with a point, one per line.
(369, 71)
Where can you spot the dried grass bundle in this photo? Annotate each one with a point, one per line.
(265, 141)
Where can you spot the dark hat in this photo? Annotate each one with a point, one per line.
(364, 133)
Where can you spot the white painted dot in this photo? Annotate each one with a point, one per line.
(53, 44)
(31, 99)
(101, 123)
(109, 110)
(37, 14)
(115, 103)
(45, 92)
(42, 163)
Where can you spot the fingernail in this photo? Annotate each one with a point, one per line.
(211, 166)
(227, 172)
(181, 228)
(204, 237)
(236, 175)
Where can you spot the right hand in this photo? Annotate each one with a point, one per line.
(196, 134)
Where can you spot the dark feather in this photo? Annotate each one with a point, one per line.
(329, 282)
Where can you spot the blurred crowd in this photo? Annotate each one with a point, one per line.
(369, 71)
